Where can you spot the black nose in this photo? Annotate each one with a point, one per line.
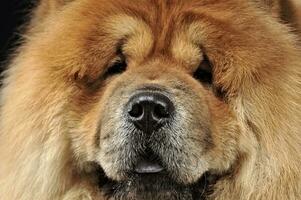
(149, 110)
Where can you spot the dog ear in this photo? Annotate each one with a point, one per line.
(284, 9)
(287, 11)
(271, 6)
(45, 8)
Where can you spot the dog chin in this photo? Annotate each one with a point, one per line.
(155, 186)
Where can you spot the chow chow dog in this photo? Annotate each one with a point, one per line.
(154, 100)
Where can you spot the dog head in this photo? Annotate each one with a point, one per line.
(158, 94)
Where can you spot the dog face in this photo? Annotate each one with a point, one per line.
(151, 91)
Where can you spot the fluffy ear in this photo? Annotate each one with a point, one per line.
(47, 7)
(271, 6)
(288, 11)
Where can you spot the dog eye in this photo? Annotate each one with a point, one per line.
(117, 67)
(204, 72)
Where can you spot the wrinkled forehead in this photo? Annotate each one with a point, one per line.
(179, 32)
(147, 29)
(140, 41)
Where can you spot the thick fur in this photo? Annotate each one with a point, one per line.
(53, 100)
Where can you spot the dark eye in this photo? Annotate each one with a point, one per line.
(204, 72)
(117, 67)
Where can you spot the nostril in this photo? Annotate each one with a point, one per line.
(136, 111)
(161, 111)
(149, 111)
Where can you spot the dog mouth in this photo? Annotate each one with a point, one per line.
(148, 166)
(149, 186)
(150, 180)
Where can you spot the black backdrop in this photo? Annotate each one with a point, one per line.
(13, 14)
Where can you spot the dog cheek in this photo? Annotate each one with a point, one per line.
(83, 131)
(226, 134)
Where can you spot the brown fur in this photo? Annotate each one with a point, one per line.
(54, 94)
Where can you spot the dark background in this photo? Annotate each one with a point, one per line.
(13, 15)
